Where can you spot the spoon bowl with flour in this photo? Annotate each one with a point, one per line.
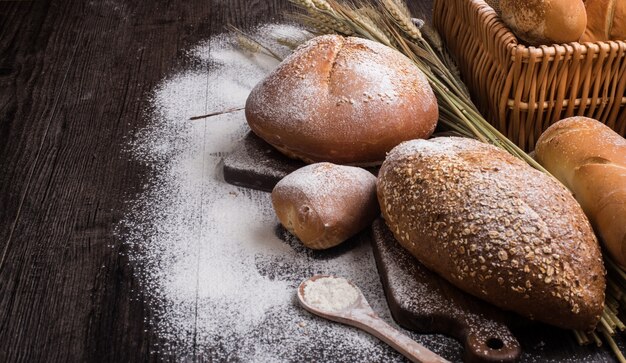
(337, 299)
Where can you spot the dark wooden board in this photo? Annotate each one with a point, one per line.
(420, 300)
(256, 164)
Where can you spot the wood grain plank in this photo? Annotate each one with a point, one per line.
(25, 25)
(19, 83)
(67, 218)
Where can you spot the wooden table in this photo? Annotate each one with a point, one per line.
(73, 83)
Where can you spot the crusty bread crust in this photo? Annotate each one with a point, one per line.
(545, 22)
(494, 227)
(342, 100)
(606, 20)
(590, 159)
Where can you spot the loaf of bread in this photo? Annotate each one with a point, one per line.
(545, 22)
(342, 100)
(325, 204)
(494, 227)
(606, 20)
(590, 159)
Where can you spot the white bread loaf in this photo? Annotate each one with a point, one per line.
(325, 204)
(494, 227)
(342, 100)
(545, 22)
(590, 159)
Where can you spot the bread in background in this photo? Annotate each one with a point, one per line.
(545, 22)
(606, 20)
(590, 159)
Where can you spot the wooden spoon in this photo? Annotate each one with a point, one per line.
(359, 313)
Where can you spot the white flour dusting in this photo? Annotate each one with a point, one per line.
(330, 293)
(219, 274)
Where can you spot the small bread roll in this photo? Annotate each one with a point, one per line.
(325, 204)
(590, 159)
(606, 20)
(545, 22)
(342, 100)
(495, 227)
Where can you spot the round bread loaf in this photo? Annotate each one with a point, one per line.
(606, 20)
(494, 227)
(342, 100)
(590, 159)
(325, 204)
(545, 22)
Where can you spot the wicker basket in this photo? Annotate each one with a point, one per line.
(523, 90)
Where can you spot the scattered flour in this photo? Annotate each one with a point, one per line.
(330, 294)
(217, 271)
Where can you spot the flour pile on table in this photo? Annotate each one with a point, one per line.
(219, 280)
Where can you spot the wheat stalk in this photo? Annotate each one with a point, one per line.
(322, 5)
(402, 18)
(250, 44)
(217, 113)
(321, 17)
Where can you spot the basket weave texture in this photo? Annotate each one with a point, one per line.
(522, 90)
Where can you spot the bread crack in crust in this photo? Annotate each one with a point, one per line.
(342, 100)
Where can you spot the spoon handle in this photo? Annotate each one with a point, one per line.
(399, 341)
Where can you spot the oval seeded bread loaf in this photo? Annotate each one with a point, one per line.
(494, 227)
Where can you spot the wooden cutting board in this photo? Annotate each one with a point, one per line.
(420, 300)
(257, 165)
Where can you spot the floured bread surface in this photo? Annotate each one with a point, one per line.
(325, 204)
(342, 100)
(545, 22)
(494, 227)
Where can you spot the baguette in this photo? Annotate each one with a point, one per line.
(590, 159)
(494, 227)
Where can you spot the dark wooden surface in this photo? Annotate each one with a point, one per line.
(74, 81)
(74, 76)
